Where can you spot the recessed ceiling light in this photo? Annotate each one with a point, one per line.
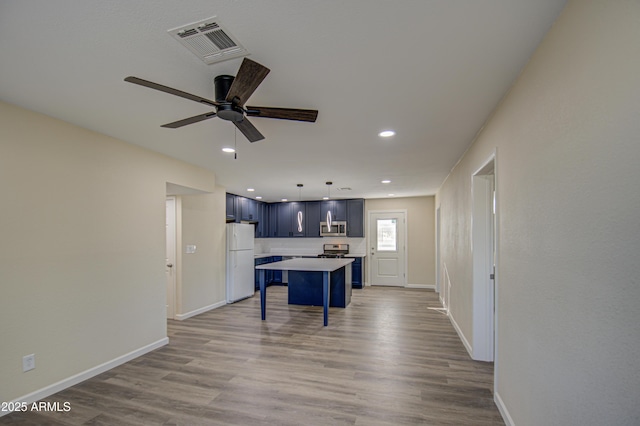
(325, 198)
(392, 195)
(228, 150)
(385, 181)
(386, 133)
(284, 199)
(258, 197)
(250, 189)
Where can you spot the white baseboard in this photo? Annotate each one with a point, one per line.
(87, 374)
(464, 340)
(182, 317)
(503, 410)
(444, 305)
(427, 286)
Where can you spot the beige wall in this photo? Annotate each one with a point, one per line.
(82, 250)
(567, 138)
(420, 235)
(202, 274)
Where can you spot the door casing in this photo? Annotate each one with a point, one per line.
(483, 243)
(401, 215)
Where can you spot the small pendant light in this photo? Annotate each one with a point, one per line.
(300, 211)
(328, 219)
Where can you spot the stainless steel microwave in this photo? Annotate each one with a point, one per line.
(338, 228)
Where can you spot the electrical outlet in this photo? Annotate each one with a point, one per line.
(28, 362)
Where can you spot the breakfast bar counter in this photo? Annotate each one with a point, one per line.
(312, 281)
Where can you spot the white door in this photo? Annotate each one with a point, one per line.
(170, 260)
(438, 268)
(387, 248)
(483, 246)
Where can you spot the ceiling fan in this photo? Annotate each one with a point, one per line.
(231, 93)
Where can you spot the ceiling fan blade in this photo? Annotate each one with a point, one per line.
(283, 113)
(170, 90)
(189, 120)
(248, 130)
(249, 77)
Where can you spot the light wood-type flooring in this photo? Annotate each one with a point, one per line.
(384, 360)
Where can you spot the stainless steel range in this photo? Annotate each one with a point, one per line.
(334, 251)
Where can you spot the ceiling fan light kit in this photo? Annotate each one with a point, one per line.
(231, 93)
(226, 110)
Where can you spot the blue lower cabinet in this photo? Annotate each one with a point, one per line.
(261, 261)
(270, 277)
(356, 273)
(305, 288)
(276, 276)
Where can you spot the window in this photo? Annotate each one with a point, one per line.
(387, 235)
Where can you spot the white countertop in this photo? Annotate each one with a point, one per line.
(307, 264)
(309, 255)
(259, 255)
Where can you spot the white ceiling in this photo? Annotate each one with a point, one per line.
(433, 70)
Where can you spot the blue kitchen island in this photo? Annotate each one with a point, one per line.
(312, 281)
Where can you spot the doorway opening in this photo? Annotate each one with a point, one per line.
(170, 260)
(438, 267)
(175, 195)
(483, 246)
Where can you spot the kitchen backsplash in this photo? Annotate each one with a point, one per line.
(309, 246)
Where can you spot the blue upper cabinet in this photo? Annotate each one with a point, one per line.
(355, 218)
(261, 219)
(287, 217)
(248, 209)
(243, 208)
(272, 221)
(231, 208)
(298, 219)
(291, 219)
(338, 209)
(312, 226)
(253, 210)
(265, 220)
(281, 219)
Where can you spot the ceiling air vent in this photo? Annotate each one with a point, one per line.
(209, 41)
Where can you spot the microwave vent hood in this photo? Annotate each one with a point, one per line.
(338, 228)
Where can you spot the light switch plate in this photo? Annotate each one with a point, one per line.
(28, 362)
(190, 249)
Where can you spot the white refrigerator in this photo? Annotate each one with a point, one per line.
(240, 261)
